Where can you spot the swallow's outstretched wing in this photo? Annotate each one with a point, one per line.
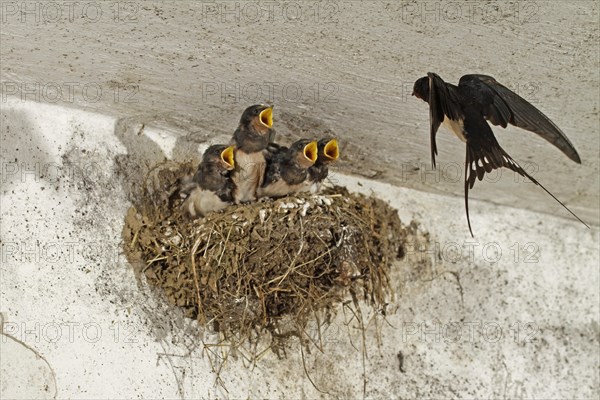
(502, 106)
(484, 154)
(443, 103)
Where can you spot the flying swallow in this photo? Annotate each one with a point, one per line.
(328, 153)
(287, 169)
(464, 109)
(251, 138)
(211, 188)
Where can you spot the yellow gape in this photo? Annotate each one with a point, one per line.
(311, 151)
(266, 117)
(227, 157)
(332, 150)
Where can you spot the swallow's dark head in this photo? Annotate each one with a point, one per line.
(220, 155)
(421, 88)
(328, 150)
(258, 117)
(304, 152)
(255, 129)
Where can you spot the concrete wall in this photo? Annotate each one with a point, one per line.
(510, 314)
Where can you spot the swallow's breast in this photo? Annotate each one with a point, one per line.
(456, 127)
(279, 188)
(248, 175)
(202, 202)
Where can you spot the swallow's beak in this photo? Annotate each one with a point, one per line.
(227, 157)
(266, 117)
(311, 151)
(331, 150)
(413, 93)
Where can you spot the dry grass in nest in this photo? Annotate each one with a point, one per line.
(269, 266)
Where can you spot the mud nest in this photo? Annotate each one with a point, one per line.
(267, 266)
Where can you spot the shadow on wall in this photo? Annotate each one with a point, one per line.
(143, 153)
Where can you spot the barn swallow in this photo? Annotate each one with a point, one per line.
(328, 153)
(287, 169)
(251, 138)
(211, 188)
(464, 109)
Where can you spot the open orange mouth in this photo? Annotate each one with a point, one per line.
(311, 151)
(266, 117)
(227, 157)
(331, 150)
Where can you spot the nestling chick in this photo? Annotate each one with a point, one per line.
(287, 169)
(329, 152)
(251, 139)
(212, 187)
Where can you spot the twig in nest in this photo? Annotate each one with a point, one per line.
(291, 267)
(307, 374)
(201, 315)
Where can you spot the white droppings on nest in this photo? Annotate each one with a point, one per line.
(262, 214)
(320, 200)
(305, 207)
(175, 240)
(172, 237)
(344, 237)
(287, 206)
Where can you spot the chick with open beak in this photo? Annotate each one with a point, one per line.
(212, 187)
(287, 169)
(328, 152)
(251, 138)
